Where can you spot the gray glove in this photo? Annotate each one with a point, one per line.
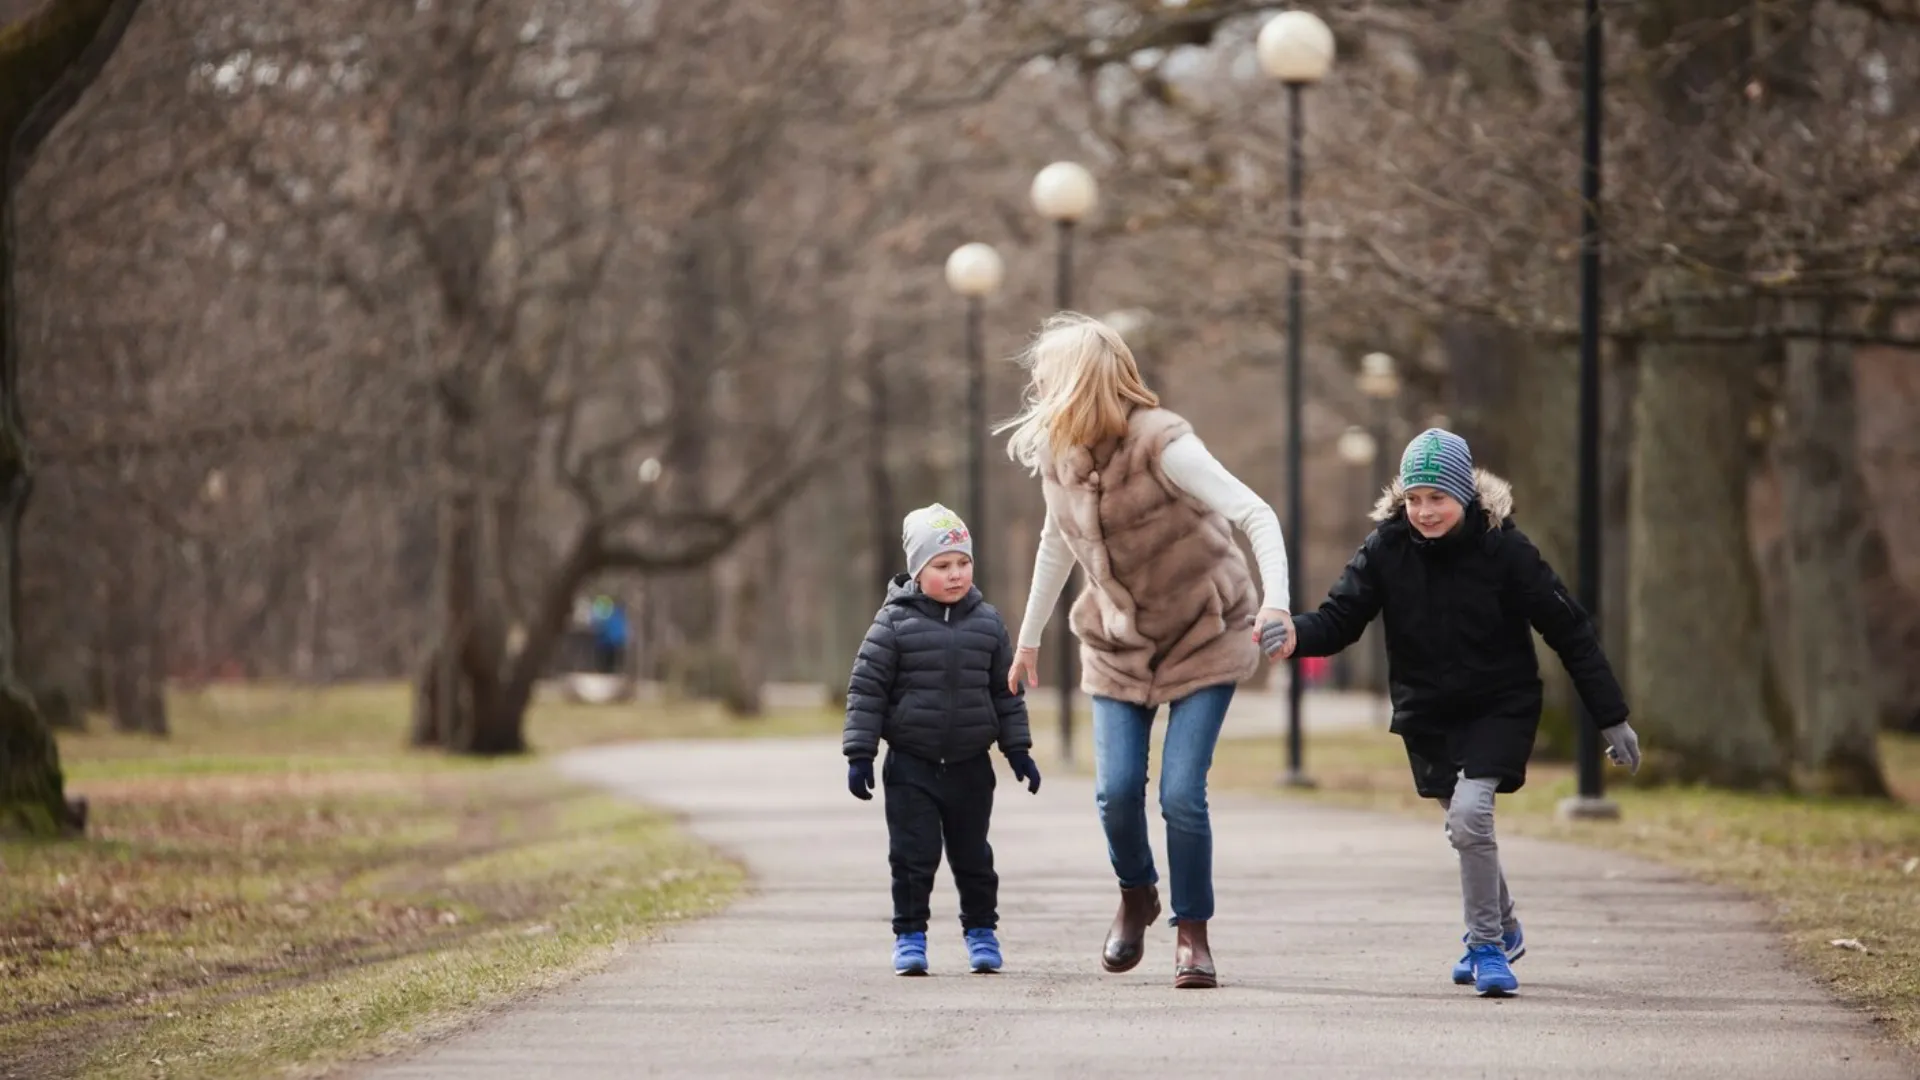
(1623, 746)
(1273, 637)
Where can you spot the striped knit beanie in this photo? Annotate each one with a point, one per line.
(1439, 459)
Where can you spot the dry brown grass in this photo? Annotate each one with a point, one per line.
(281, 884)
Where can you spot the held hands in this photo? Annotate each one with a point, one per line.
(1623, 746)
(1273, 629)
(1025, 669)
(860, 778)
(1024, 769)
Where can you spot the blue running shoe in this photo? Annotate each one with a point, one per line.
(1515, 941)
(1491, 975)
(910, 954)
(983, 951)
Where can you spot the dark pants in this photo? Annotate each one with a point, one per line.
(1492, 745)
(927, 804)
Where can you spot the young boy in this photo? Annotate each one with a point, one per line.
(931, 680)
(1460, 585)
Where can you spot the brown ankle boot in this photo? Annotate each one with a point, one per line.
(1127, 938)
(1192, 959)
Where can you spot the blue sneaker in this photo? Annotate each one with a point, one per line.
(1514, 940)
(910, 954)
(983, 951)
(1491, 975)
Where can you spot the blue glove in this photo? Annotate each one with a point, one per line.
(1024, 769)
(860, 778)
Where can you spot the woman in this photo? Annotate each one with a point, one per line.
(1135, 498)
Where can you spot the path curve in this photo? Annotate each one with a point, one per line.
(1334, 935)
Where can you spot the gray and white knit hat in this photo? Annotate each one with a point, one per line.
(1439, 459)
(932, 531)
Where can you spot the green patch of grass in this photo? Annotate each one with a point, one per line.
(276, 728)
(282, 883)
(225, 925)
(1830, 868)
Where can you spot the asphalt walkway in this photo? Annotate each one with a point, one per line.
(1334, 937)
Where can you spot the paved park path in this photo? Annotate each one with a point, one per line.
(1334, 935)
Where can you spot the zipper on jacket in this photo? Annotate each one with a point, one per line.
(953, 680)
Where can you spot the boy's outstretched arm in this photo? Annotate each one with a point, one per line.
(1568, 630)
(1350, 605)
(869, 690)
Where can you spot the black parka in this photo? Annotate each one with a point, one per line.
(931, 680)
(1459, 611)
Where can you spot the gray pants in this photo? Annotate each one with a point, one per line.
(1483, 885)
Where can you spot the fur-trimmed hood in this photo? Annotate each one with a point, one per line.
(1495, 496)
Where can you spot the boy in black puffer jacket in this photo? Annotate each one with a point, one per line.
(931, 680)
(1461, 590)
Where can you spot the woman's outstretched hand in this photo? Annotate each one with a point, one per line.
(1025, 669)
(1273, 630)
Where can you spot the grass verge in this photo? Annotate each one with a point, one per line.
(269, 728)
(1831, 869)
(279, 886)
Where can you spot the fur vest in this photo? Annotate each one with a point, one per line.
(1169, 599)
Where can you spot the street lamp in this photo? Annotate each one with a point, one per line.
(1296, 48)
(1379, 380)
(975, 271)
(1357, 448)
(1064, 193)
(1590, 802)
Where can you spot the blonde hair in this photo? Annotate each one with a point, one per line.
(1084, 382)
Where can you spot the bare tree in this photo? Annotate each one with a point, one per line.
(49, 58)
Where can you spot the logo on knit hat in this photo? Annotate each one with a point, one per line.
(930, 531)
(1425, 467)
(1439, 459)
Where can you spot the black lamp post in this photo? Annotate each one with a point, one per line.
(1064, 193)
(1591, 802)
(1295, 47)
(975, 272)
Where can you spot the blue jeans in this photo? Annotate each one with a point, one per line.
(1120, 734)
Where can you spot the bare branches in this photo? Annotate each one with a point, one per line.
(93, 31)
(1888, 11)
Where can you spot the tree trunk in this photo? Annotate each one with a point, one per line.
(696, 296)
(1519, 410)
(744, 579)
(1893, 609)
(462, 703)
(1893, 635)
(1825, 506)
(135, 658)
(885, 536)
(1619, 386)
(1704, 692)
(46, 63)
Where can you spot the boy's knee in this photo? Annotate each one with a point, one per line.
(1470, 814)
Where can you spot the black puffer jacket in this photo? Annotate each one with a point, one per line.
(931, 679)
(1458, 613)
